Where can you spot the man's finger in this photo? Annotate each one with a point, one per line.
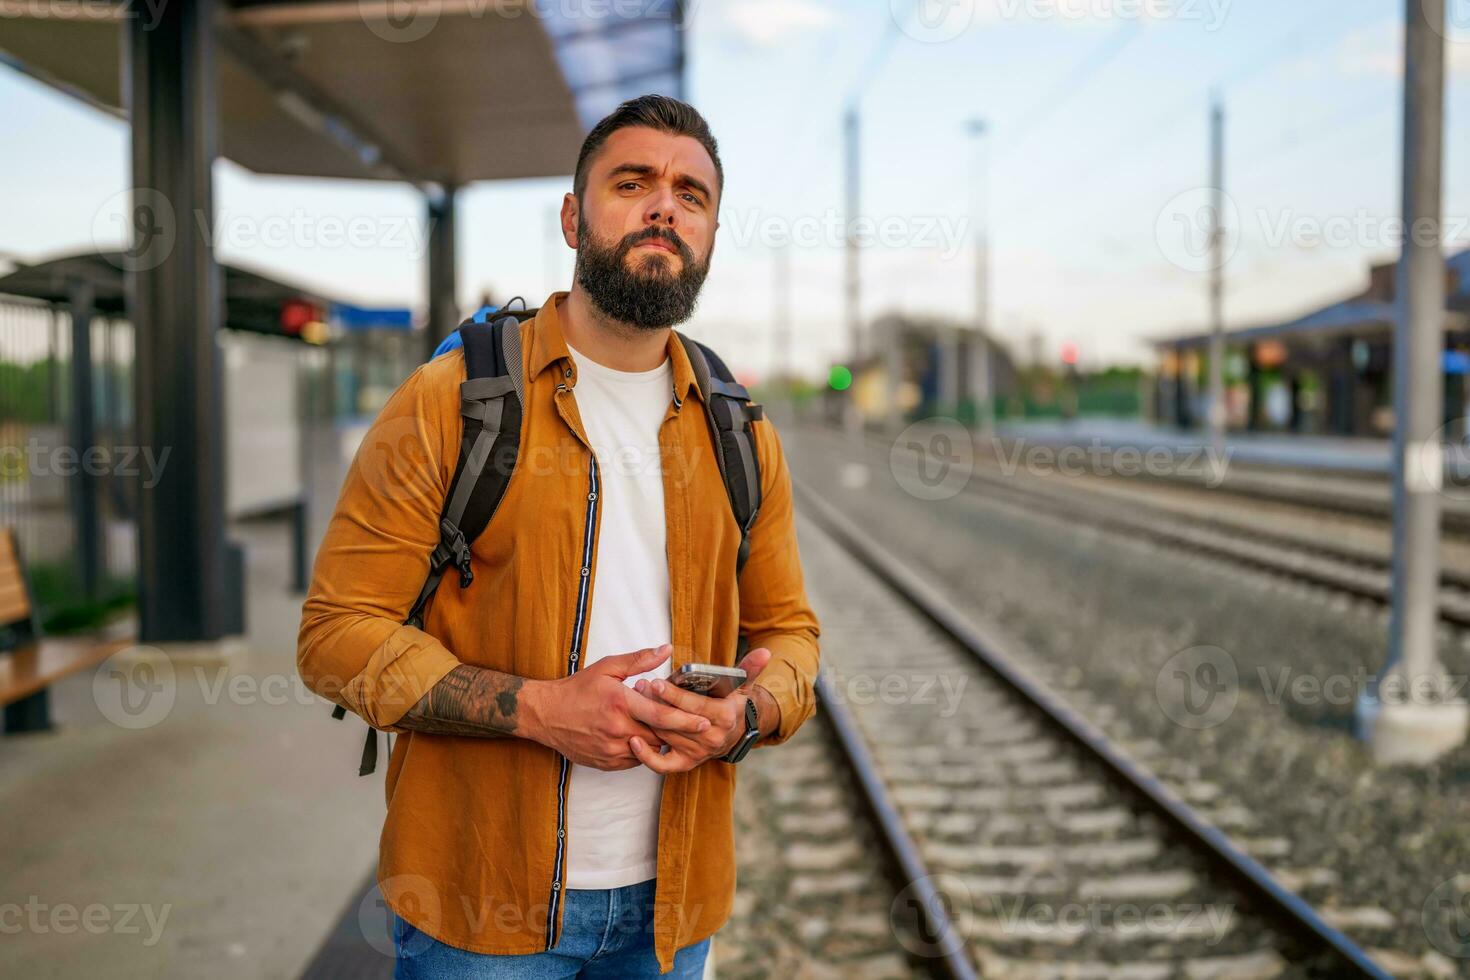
(666, 764)
(627, 664)
(691, 701)
(669, 718)
(753, 663)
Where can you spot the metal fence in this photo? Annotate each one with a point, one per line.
(317, 397)
(40, 459)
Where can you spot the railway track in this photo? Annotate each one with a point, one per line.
(1357, 572)
(1027, 844)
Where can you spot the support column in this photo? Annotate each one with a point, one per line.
(82, 423)
(1416, 716)
(175, 305)
(443, 306)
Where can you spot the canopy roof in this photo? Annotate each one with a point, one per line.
(448, 91)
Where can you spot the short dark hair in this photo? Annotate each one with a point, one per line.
(660, 112)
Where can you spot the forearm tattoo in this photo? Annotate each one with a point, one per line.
(468, 701)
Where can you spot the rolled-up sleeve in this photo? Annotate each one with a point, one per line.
(774, 612)
(353, 648)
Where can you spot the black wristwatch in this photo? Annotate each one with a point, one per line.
(752, 732)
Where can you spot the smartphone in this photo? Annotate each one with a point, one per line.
(717, 682)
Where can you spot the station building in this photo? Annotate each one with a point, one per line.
(1327, 372)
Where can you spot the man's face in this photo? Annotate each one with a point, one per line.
(644, 228)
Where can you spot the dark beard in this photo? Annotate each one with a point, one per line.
(648, 296)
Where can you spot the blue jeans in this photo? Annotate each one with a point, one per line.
(607, 934)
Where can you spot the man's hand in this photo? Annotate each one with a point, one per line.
(591, 716)
(726, 716)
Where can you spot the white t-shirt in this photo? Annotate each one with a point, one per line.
(612, 817)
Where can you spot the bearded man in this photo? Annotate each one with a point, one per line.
(556, 806)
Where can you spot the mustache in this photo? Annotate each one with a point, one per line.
(653, 231)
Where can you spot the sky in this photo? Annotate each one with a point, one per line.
(1095, 154)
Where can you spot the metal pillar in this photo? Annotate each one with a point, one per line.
(82, 422)
(982, 390)
(781, 366)
(170, 79)
(1413, 721)
(1216, 412)
(851, 177)
(443, 306)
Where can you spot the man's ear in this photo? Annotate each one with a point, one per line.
(569, 213)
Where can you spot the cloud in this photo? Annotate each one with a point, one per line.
(767, 23)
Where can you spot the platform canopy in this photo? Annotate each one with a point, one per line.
(442, 91)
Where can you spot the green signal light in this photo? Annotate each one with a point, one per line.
(840, 378)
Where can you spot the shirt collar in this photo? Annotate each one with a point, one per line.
(549, 347)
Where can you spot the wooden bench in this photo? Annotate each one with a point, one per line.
(29, 663)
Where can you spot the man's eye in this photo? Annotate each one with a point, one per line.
(625, 185)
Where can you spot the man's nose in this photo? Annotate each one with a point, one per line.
(661, 210)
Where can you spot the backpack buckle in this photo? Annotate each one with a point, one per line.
(452, 547)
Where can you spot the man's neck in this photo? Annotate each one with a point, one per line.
(611, 343)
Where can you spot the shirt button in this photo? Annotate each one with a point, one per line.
(556, 886)
(584, 571)
(592, 495)
(568, 373)
(574, 658)
(560, 834)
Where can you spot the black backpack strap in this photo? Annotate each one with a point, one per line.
(730, 411)
(490, 403)
(491, 400)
